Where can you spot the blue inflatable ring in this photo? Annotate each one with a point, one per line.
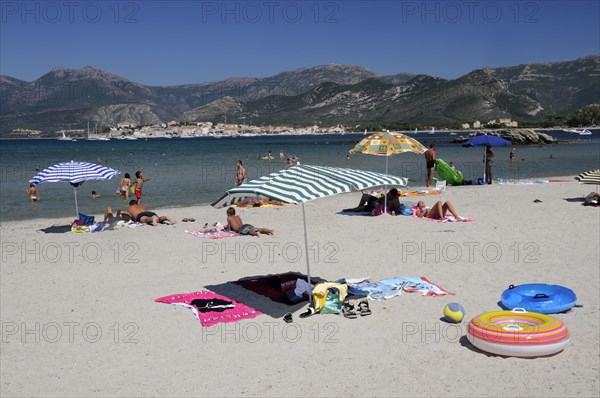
(539, 297)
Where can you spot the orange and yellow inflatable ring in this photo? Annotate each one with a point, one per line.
(518, 333)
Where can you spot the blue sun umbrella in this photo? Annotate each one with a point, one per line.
(485, 140)
(75, 173)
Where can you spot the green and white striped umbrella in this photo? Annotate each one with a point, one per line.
(303, 183)
(299, 184)
(589, 177)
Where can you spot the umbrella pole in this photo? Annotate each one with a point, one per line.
(306, 247)
(385, 188)
(76, 206)
(484, 166)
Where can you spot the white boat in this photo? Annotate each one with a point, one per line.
(453, 133)
(580, 132)
(432, 130)
(65, 138)
(95, 137)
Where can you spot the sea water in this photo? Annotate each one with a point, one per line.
(185, 172)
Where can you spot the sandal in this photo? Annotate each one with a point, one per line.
(288, 318)
(348, 311)
(364, 309)
(310, 311)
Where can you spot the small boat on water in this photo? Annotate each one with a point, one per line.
(432, 130)
(65, 138)
(580, 132)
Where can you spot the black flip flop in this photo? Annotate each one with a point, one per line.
(288, 318)
(310, 311)
(348, 311)
(364, 309)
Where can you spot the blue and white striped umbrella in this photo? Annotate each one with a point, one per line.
(75, 173)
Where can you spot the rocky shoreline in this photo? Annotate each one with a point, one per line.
(516, 136)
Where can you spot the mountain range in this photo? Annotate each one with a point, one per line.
(67, 98)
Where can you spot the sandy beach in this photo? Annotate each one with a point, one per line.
(79, 318)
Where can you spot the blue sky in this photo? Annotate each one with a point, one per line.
(179, 42)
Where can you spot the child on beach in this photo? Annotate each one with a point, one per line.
(33, 193)
(139, 183)
(234, 223)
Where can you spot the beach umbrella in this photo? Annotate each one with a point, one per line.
(75, 173)
(387, 144)
(299, 184)
(485, 140)
(589, 177)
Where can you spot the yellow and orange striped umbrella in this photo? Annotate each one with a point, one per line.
(387, 144)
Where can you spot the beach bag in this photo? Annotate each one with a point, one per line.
(333, 304)
(328, 297)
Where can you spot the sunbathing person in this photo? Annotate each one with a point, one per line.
(254, 202)
(437, 211)
(121, 215)
(141, 214)
(234, 223)
(368, 202)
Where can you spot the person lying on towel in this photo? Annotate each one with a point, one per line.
(234, 223)
(437, 211)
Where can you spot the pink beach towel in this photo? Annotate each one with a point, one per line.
(213, 233)
(211, 308)
(448, 218)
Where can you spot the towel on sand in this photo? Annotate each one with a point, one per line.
(393, 287)
(213, 233)
(211, 308)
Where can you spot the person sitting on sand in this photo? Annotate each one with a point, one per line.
(234, 223)
(34, 196)
(141, 214)
(121, 215)
(438, 211)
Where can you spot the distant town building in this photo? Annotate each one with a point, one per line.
(466, 126)
(476, 124)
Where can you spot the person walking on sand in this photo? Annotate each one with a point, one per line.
(240, 174)
(33, 194)
(234, 223)
(139, 183)
(430, 164)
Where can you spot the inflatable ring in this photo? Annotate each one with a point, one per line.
(518, 333)
(539, 297)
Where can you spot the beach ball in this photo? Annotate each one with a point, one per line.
(454, 313)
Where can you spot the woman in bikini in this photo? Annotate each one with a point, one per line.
(125, 184)
(33, 193)
(437, 211)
